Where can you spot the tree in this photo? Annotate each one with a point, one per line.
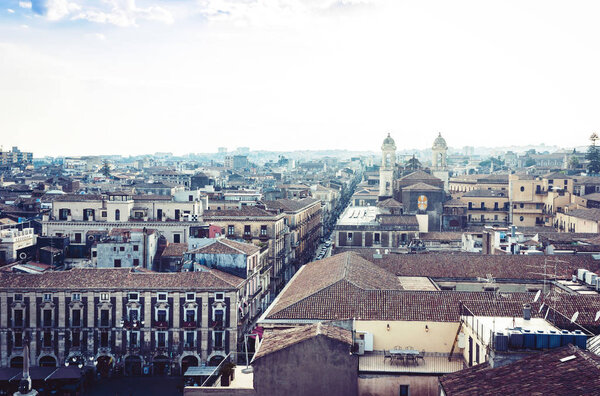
(105, 168)
(529, 162)
(593, 155)
(573, 162)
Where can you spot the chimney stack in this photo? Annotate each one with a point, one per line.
(526, 311)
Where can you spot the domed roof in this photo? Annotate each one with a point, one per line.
(440, 142)
(388, 141)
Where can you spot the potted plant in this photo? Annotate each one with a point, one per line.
(227, 373)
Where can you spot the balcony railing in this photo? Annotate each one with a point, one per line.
(216, 323)
(189, 324)
(161, 324)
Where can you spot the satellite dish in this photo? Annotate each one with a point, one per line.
(597, 316)
(546, 316)
(541, 307)
(537, 295)
(574, 317)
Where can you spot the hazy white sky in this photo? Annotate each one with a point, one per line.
(132, 77)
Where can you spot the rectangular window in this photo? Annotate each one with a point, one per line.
(189, 339)
(18, 339)
(76, 339)
(104, 339)
(190, 315)
(136, 248)
(121, 248)
(247, 230)
(136, 262)
(161, 341)
(104, 214)
(77, 237)
(230, 230)
(263, 230)
(133, 296)
(176, 238)
(134, 339)
(134, 315)
(18, 297)
(404, 390)
(47, 297)
(104, 318)
(190, 296)
(47, 318)
(76, 296)
(117, 263)
(161, 315)
(219, 296)
(76, 318)
(18, 318)
(162, 296)
(47, 340)
(218, 339)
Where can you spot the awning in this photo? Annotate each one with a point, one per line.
(200, 371)
(7, 373)
(63, 373)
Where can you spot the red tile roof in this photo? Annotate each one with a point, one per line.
(120, 278)
(277, 340)
(539, 374)
(227, 246)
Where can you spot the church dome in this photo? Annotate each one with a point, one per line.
(440, 143)
(388, 141)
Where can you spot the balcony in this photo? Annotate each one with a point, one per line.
(161, 324)
(263, 237)
(256, 293)
(189, 324)
(248, 236)
(216, 323)
(132, 324)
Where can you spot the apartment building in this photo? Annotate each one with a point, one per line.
(244, 260)
(176, 218)
(144, 322)
(304, 218)
(260, 227)
(487, 207)
(535, 200)
(126, 248)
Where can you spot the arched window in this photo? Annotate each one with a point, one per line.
(117, 214)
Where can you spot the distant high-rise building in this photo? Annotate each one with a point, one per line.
(15, 157)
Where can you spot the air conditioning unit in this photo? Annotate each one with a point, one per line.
(360, 347)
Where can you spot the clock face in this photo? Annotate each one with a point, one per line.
(422, 202)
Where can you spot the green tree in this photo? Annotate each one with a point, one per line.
(105, 168)
(593, 155)
(529, 162)
(573, 162)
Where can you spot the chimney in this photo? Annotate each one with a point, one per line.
(526, 311)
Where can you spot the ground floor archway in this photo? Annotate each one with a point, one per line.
(160, 365)
(104, 364)
(16, 362)
(133, 365)
(47, 361)
(188, 361)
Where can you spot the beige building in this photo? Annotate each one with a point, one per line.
(535, 200)
(464, 183)
(579, 220)
(486, 207)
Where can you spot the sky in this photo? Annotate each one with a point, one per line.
(127, 77)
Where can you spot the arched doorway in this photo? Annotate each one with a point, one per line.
(47, 361)
(188, 361)
(160, 365)
(215, 360)
(16, 362)
(104, 364)
(133, 365)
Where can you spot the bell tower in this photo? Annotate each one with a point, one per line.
(386, 172)
(439, 166)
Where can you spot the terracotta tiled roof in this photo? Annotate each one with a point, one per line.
(398, 220)
(226, 246)
(120, 278)
(389, 203)
(290, 205)
(244, 211)
(441, 236)
(419, 175)
(421, 187)
(277, 340)
(486, 194)
(586, 214)
(175, 250)
(461, 265)
(539, 374)
(347, 268)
